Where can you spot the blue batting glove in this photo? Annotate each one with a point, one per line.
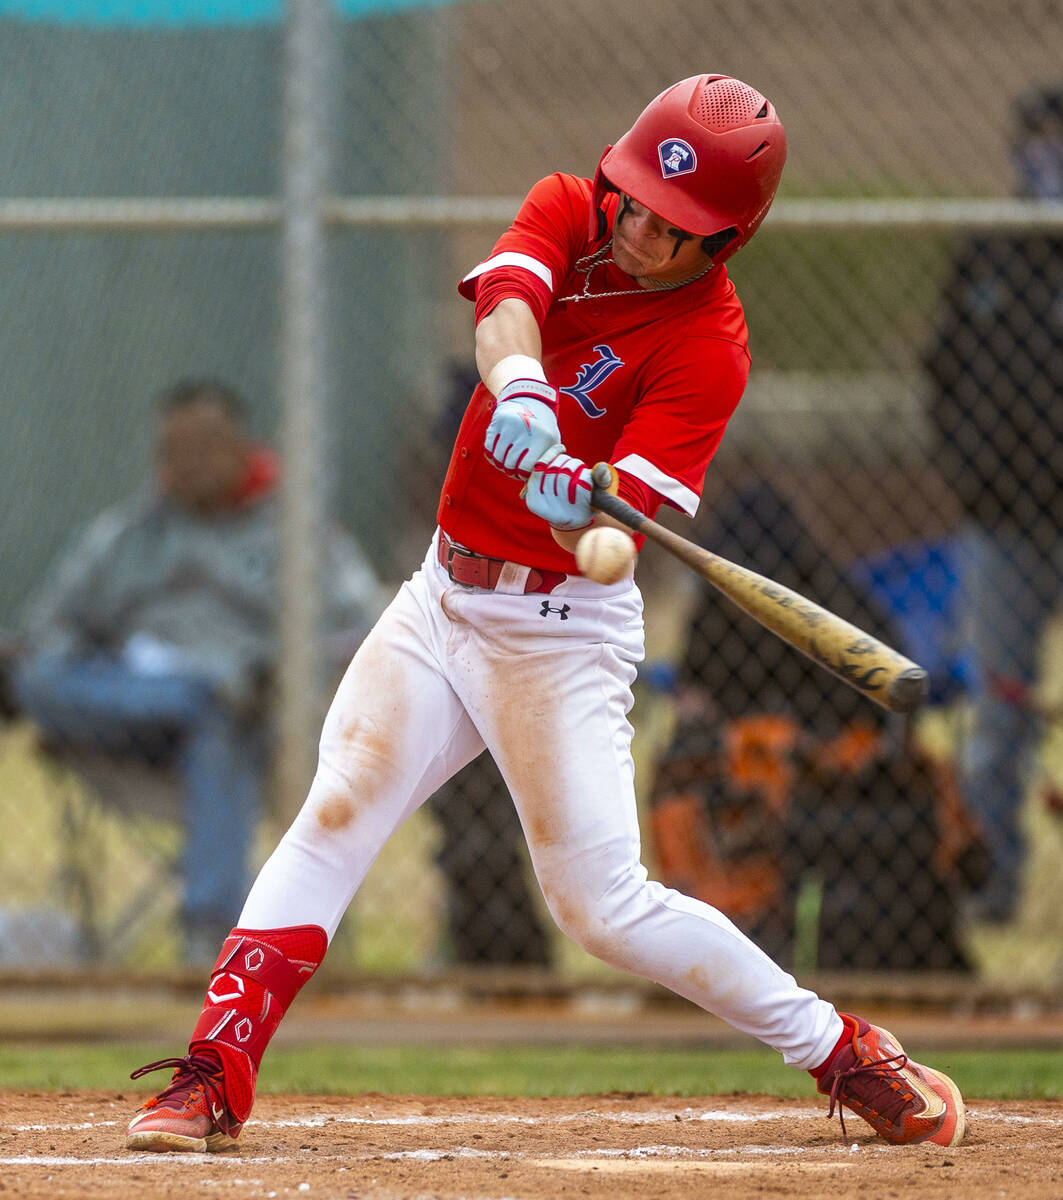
(523, 427)
(559, 490)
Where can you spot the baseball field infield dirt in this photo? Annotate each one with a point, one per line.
(377, 1147)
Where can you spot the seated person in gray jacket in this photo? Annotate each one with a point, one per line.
(157, 631)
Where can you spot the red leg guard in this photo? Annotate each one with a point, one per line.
(257, 976)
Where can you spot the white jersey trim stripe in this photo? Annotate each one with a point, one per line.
(513, 259)
(679, 494)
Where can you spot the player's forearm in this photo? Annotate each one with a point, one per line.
(508, 329)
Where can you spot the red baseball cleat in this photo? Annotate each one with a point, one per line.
(898, 1098)
(190, 1115)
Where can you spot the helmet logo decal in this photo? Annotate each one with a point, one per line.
(677, 158)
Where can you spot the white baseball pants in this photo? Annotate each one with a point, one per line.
(544, 682)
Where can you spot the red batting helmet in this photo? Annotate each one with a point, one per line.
(706, 155)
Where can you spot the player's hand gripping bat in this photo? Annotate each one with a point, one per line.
(862, 661)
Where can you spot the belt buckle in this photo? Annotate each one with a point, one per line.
(463, 551)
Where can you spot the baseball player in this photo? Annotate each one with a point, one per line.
(607, 330)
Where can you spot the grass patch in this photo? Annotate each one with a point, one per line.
(517, 1070)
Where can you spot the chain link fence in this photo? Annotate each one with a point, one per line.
(898, 454)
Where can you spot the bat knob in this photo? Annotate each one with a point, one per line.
(602, 476)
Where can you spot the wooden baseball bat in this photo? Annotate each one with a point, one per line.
(863, 662)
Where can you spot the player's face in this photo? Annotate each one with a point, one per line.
(651, 248)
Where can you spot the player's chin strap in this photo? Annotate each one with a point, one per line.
(257, 976)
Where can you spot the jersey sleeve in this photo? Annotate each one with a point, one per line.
(535, 255)
(678, 422)
(639, 495)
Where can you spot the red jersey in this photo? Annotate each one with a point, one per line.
(647, 379)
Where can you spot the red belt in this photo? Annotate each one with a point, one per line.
(476, 570)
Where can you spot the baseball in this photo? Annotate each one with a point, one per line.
(605, 554)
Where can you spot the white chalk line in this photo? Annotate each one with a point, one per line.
(729, 1168)
(727, 1158)
(59, 1128)
(669, 1153)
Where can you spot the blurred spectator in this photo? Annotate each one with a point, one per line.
(997, 372)
(155, 636)
(786, 797)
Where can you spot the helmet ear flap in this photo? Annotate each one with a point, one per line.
(602, 187)
(715, 242)
(603, 221)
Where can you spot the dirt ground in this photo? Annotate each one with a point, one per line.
(616, 1146)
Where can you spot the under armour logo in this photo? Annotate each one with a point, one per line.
(547, 609)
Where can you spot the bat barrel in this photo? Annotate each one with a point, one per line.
(857, 658)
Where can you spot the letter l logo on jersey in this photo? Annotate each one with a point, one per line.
(590, 376)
